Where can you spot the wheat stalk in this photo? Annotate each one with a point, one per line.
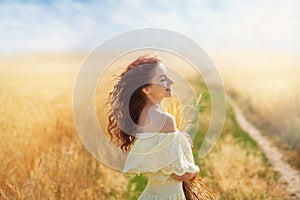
(193, 188)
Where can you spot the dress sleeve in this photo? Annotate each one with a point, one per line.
(167, 152)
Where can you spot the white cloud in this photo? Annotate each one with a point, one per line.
(68, 25)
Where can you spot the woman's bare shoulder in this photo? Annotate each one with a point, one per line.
(169, 122)
(158, 121)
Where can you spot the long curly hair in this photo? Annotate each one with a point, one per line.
(127, 100)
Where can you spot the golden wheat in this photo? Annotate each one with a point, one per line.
(236, 172)
(41, 154)
(43, 158)
(267, 88)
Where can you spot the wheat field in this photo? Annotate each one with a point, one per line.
(266, 85)
(42, 156)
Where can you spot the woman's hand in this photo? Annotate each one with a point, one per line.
(186, 176)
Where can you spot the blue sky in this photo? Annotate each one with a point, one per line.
(34, 26)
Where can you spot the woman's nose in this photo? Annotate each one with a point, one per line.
(170, 82)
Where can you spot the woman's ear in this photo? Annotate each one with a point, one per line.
(146, 90)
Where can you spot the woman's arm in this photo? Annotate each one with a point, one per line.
(186, 176)
(170, 126)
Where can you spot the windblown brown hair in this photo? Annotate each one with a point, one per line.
(128, 94)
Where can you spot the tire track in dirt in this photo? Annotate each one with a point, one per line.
(289, 176)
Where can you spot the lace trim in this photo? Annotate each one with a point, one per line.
(178, 169)
(173, 150)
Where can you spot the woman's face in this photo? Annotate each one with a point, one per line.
(161, 83)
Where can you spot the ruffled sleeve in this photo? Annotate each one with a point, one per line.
(165, 152)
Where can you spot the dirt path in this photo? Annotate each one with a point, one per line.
(288, 175)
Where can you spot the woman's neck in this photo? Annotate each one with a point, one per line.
(153, 101)
(154, 105)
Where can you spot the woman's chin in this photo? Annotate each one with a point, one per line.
(169, 95)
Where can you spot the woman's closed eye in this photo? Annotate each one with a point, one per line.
(163, 79)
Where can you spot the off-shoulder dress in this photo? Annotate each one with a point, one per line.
(157, 156)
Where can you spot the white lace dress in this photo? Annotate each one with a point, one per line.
(157, 156)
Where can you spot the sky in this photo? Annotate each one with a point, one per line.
(65, 25)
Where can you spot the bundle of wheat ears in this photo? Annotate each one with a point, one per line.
(194, 189)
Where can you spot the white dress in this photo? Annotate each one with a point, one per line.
(157, 156)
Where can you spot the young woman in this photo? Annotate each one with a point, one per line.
(140, 127)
